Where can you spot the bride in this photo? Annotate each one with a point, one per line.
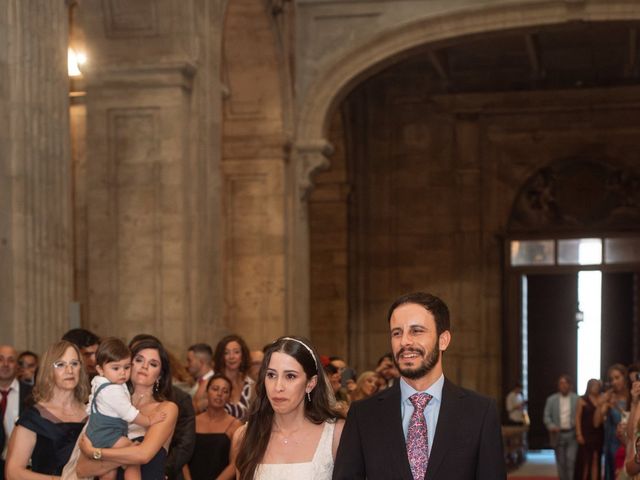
(292, 429)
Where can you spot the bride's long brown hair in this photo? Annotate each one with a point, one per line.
(260, 419)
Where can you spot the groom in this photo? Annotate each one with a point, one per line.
(424, 426)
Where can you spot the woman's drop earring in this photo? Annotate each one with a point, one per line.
(156, 386)
(309, 396)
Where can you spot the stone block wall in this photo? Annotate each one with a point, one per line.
(432, 181)
(35, 192)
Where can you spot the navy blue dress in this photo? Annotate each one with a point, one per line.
(54, 439)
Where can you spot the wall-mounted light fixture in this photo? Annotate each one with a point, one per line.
(75, 60)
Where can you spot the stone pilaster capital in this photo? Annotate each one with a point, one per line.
(310, 158)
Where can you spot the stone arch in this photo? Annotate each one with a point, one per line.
(335, 77)
(339, 75)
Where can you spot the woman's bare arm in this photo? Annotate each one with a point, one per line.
(21, 445)
(156, 437)
(235, 446)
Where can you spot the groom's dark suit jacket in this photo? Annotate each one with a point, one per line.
(467, 443)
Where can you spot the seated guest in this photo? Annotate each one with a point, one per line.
(366, 386)
(214, 431)
(27, 367)
(231, 358)
(46, 433)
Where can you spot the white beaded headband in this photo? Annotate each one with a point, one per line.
(305, 346)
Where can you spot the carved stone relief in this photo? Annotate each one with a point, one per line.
(578, 193)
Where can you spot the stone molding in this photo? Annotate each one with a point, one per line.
(168, 74)
(312, 157)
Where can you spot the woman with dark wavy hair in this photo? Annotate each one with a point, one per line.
(151, 384)
(232, 359)
(292, 430)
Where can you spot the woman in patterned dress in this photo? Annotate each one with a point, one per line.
(232, 359)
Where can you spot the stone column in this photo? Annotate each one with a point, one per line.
(307, 159)
(35, 233)
(152, 169)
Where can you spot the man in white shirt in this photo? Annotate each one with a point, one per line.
(559, 418)
(199, 360)
(13, 396)
(515, 405)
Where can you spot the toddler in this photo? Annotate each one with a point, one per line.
(110, 409)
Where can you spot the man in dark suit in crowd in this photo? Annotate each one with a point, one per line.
(14, 396)
(424, 426)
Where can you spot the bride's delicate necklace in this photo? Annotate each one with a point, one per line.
(289, 437)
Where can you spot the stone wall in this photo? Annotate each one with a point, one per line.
(153, 209)
(35, 195)
(254, 173)
(432, 181)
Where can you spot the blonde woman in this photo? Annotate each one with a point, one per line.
(46, 433)
(366, 386)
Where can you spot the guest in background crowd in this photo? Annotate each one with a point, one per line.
(87, 342)
(387, 369)
(560, 418)
(27, 367)
(200, 366)
(256, 361)
(632, 460)
(366, 386)
(612, 407)
(292, 431)
(348, 379)
(590, 438)
(46, 433)
(214, 431)
(341, 395)
(181, 378)
(14, 396)
(231, 358)
(515, 405)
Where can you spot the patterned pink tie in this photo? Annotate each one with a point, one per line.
(417, 438)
